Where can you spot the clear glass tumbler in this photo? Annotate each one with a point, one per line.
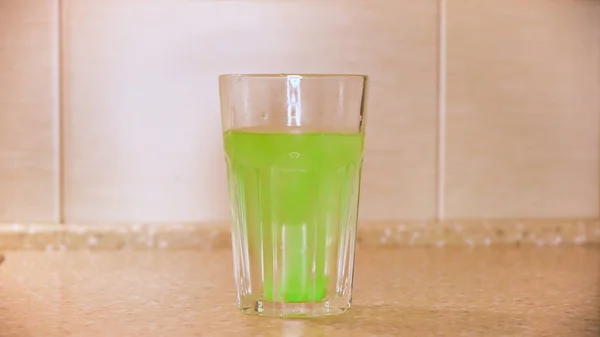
(294, 151)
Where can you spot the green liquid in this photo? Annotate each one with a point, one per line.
(294, 198)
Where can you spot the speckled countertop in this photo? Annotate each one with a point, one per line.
(211, 235)
(419, 291)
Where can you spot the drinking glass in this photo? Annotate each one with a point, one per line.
(294, 152)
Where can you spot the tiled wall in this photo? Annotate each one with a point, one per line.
(478, 109)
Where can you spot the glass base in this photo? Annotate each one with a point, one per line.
(294, 310)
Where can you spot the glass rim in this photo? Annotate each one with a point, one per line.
(301, 75)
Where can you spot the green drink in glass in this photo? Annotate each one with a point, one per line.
(294, 177)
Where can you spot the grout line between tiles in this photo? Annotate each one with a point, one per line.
(61, 151)
(598, 132)
(60, 126)
(56, 141)
(441, 139)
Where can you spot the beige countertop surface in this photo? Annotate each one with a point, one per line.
(419, 291)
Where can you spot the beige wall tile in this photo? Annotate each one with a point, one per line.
(28, 111)
(142, 124)
(523, 108)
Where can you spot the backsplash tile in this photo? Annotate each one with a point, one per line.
(28, 111)
(523, 109)
(142, 123)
